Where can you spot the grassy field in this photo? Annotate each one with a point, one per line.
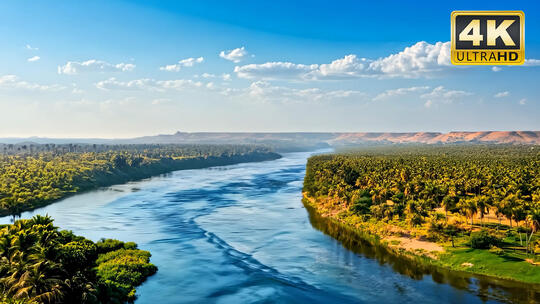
(507, 266)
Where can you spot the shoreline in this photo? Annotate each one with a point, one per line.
(107, 179)
(428, 265)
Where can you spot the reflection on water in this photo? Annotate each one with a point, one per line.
(240, 234)
(486, 288)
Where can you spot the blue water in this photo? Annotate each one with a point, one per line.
(240, 234)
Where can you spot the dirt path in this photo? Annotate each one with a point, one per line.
(415, 246)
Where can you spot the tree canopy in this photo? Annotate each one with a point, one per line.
(34, 175)
(41, 264)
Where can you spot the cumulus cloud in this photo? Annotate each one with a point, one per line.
(93, 65)
(264, 91)
(399, 92)
(14, 82)
(205, 75)
(32, 59)
(348, 66)
(188, 62)
(502, 94)
(420, 59)
(523, 101)
(235, 55)
(496, 69)
(443, 95)
(274, 70)
(226, 77)
(148, 84)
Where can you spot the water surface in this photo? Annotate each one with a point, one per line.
(240, 234)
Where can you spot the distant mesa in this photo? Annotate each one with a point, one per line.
(291, 141)
(499, 137)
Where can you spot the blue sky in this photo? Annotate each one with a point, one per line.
(130, 68)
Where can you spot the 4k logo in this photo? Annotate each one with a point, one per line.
(488, 37)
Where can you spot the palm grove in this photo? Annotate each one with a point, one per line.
(34, 175)
(438, 192)
(41, 264)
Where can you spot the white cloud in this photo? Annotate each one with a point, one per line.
(178, 84)
(226, 77)
(188, 62)
(420, 59)
(93, 65)
(532, 62)
(443, 95)
(148, 84)
(502, 94)
(32, 59)
(348, 66)
(137, 84)
(13, 82)
(264, 91)
(399, 92)
(207, 75)
(523, 101)
(231, 91)
(274, 70)
(235, 55)
(496, 69)
(29, 47)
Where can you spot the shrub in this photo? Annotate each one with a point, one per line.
(361, 205)
(78, 254)
(496, 250)
(107, 245)
(483, 240)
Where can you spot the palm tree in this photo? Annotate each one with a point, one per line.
(533, 218)
(499, 206)
(448, 204)
(468, 207)
(452, 231)
(38, 283)
(508, 204)
(12, 206)
(483, 203)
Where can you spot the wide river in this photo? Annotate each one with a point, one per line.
(240, 234)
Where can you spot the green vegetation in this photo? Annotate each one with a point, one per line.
(478, 206)
(41, 264)
(34, 175)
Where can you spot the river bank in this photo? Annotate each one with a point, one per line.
(461, 260)
(126, 174)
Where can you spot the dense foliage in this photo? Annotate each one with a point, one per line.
(410, 184)
(33, 175)
(41, 264)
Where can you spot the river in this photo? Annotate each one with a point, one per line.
(240, 234)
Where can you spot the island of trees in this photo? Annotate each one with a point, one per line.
(41, 264)
(33, 175)
(473, 208)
